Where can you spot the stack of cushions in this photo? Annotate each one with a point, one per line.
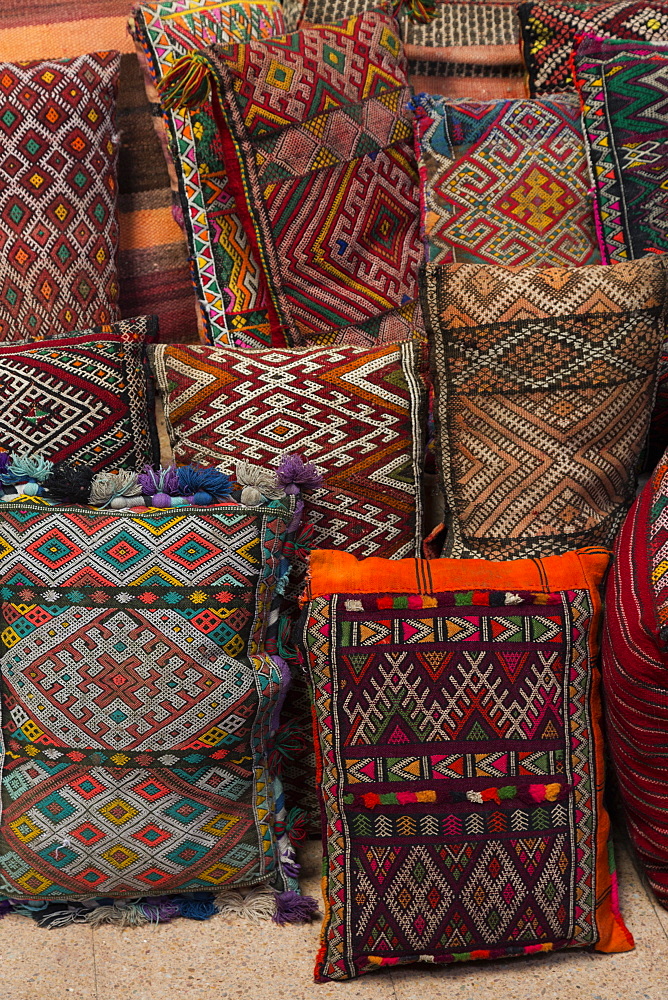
(635, 668)
(544, 383)
(504, 182)
(460, 759)
(358, 414)
(139, 700)
(318, 146)
(227, 273)
(58, 194)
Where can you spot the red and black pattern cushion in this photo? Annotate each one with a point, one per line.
(635, 674)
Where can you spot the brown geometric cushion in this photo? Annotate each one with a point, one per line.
(544, 383)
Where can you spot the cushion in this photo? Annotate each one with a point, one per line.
(544, 381)
(138, 699)
(448, 856)
(317, 139)
(86, 398)
(357, 414)
(628, 81)
(228, 280)
(550, 29)
(58, 191)
(635, 667)
(481, 202)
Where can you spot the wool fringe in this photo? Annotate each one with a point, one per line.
(256, 905)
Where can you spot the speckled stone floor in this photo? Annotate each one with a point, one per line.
(230, 959)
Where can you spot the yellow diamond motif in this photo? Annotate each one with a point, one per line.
(120, 857)
(25, 829)
(279, 75)
(33, 882)
(118, 812)
(220, 825)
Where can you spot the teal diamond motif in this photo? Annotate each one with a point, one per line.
(9, 118)
(185, 811)
(123, 551)
(118, 716)
(53, 549)
(55, 808)
(187, 853)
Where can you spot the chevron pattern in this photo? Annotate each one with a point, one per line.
(231, 290)
(468, 720)
(137, 699)
(550, 29)
(543, 408)
(329, 167)
(81, 398)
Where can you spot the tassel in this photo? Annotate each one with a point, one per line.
(126, 915)
(24, 467)
(69, 483)
(158, 480)
(203, 485)
(296, 475)
(187, 84)
(420, 11)
(289, 744)
(199, 906)
(257, 484)
(107, 486)
(258, 904)
(292, 908)
(296, 825)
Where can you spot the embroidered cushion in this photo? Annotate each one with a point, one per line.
(627, 82)
(230, 287)
(138, 699)
(504, 182)
(317, 139)
(460, 759)
(86, 398)
(550, 29)
(635, 667)
(357, 414)
(58, 224)
(544, 384)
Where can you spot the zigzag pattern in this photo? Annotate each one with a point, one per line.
(232, 294)
(330, 171)
(542, 417)
(137, 698)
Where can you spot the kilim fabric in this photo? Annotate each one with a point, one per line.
(635, 666)
(459, 79)
(58, 195)
(154, 274)
(544, 381)
(550, 29)
(504, 182)
(357, 414)
(142, 329)
(138, 699)
(460, 760)
(317, 124)
(231, 290)
(82, 399)
(623, 87)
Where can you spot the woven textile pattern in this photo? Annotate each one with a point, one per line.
(456, 742)
(82, 399)
(58, 192)
(231, 291)
(550, 29)
(623, 111)
(544, 382)
(323, 139)
(635, 666)
(137, 699)
(504, 182)
(356, 413)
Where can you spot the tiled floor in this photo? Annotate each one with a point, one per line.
(230, 959)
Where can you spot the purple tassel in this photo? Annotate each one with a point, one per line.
(152, 480)
(5, 459)
(160, 909)
(294, 475)
(6, 906)
(296, 517)
(291, 908)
